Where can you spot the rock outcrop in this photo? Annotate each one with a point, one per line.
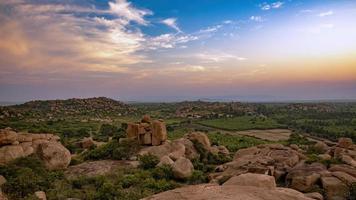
(182, 168)
(147, 132)
(269, 159)
(47, 146)
(243, 189)
(256, 180)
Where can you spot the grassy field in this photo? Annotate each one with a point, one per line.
(242, 123)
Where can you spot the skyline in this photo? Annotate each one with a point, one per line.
(168, 51)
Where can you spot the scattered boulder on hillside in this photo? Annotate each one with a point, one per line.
(147, 132)
(16, 144)
(182, 168)
(54, 155)
(245, 187)
(165, 160)
(321, 147)
(201, 138)
(345, 142)
(269, 159)
(87, 143)
(304, 177)
(334, 188)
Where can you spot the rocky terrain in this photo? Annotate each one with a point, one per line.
(266, 171)
(99, 106)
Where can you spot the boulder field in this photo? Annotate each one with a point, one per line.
(47, 146)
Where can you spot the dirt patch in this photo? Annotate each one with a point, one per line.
(269, 134)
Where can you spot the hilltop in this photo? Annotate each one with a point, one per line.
(97, 106)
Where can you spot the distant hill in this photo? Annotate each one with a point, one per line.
(97, 107)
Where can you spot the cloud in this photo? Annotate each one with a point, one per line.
(170, 40)
(171, 22)
(256, 18)
(124, 9)
(324, 14)
(218, 57)
(274, 5)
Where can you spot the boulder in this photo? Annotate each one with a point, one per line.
(177, 150)
(228, 192)
(324, 156)
(54, 155)
(165, 160)
(334, 188)
(314, 195)
(321, 147)
(256, 180)
(2, 180)
(37, 142)
(41, 195)
(182, 168)
(304, 177)
(348, 160)
(345, 142)
(190, 151)
(146, 119)
(87, 142)
(132, 130)
(7, 136)
(162, 150)
(10, 152)
(24, 137)
(147, 139)
(219, 150)
(344, 177)
(343, 168)
(159, 132)
(201, 138)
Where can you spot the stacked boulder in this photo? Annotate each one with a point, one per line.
(147, 132)
(14, 145)
(179, 153)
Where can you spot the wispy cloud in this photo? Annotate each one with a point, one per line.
(274, 5)
(256, 18)
(171, 22)
(327, 13)
(124, 9)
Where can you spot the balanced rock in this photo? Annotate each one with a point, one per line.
(159, 132)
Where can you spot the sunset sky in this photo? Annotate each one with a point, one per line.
(163, 50)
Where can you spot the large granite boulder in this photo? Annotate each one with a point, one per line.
(10, 152)
(54, 155)
(201, 138)
(334, 188)
(182, 168)
(159, 132)
(7, 136)
(269, 159)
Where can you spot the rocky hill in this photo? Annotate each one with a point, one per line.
(97, 106)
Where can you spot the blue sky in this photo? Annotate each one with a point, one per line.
(176, 50)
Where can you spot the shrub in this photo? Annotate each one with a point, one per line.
(197, 177)
(26, 176)
(148, 161)
(163, 172)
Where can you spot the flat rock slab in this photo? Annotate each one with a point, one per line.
(228, 192)
(95, 168)
(269, 134)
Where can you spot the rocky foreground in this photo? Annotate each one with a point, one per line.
(250, 174)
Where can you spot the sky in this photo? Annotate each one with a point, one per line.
(160, 50)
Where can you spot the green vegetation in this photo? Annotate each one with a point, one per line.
(148, 161)
(26, 176)
(233, 142)
(242, 123)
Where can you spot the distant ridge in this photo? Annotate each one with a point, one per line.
(96, 106)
